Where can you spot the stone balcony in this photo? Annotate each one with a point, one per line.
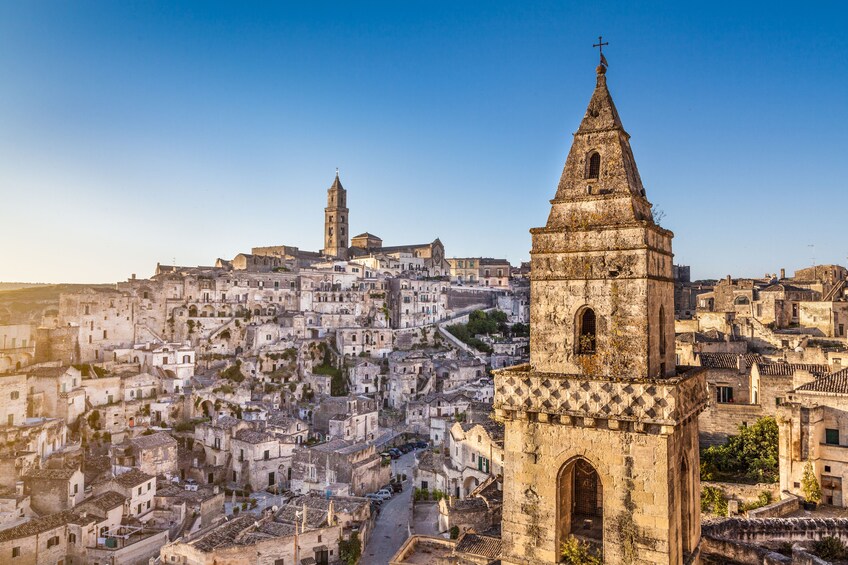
(521, 393)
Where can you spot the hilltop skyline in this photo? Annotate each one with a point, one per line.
(141, 134)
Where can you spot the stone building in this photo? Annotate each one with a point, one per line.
(54, 490)
(601, 437)
(17, 346)
(56, 392)
(364, 376)
(482, 271)
(213, 448)
(352, 418)
(13, 399)
(154, 454)
(258, 460)
(137, 487)
(415, 303)
(336, 218)
(813, 427)
(56, 538)
(473, 453)
(269, 540)
(338, 462)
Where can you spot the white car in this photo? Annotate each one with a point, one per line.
(374, 498)
(383, 494)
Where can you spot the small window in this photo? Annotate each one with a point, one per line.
(15, 395)
(724, 394)
(827, 468)
(16, 552)
(831, 436)
(796, 485)
(586, 336)
(593, 170)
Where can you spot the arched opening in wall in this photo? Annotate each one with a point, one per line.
(741, 301)
(208, 409)
(192, 311)
(580, 504)
(469, 485)
(593, 165)
(586, 334)
(686, 509)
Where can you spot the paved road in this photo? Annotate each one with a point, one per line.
(391, 528)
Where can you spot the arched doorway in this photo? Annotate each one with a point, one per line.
(469, 485)
(580, 508)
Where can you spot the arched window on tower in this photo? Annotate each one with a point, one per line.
(330, 231)
(662, 330)
(586, 331)
(593, 165)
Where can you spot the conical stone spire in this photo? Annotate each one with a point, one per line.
(600, 183)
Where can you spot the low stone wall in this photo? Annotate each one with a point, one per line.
(777, 509)
(744, 492)
(768, 529)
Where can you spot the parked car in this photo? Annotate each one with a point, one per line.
(374, 498)
(407, 447)
(384, 495)
(397, 487)
(395, 453)
(421, 444)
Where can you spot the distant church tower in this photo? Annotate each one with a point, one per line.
(601, 431)
(336, 221)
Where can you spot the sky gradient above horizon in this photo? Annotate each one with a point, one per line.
(140, 132)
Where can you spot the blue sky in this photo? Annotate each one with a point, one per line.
(137, 132)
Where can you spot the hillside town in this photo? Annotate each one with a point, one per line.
(371, 403)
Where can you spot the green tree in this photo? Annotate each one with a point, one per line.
(350, 550)
(752, 454)
(810, 485)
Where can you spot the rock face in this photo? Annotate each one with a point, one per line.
(601, 438)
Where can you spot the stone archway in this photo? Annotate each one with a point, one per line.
(208, 409)
(468, 485)
(580, 508)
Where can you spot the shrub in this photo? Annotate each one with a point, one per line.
(454, 532)
(713, 500)
(764, 499)
(830, 548)
(576, 552)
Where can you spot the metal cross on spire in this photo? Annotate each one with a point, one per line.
(600, 45)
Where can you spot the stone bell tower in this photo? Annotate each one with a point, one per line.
(336, 221)
(601, 431)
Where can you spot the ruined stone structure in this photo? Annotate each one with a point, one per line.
(601, 433)
(336, 221)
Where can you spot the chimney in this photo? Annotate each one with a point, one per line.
(133, 276)
(729, 280)
(782, 274)
(740, 362)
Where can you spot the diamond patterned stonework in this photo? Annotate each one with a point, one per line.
(650, 401)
